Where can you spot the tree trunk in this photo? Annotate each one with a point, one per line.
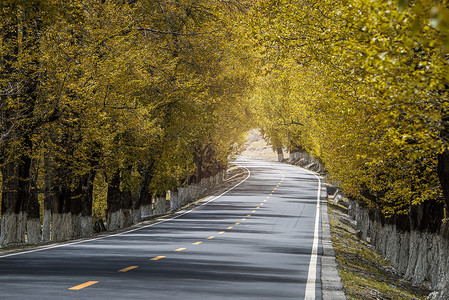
(12, 222)
(280, 154)
(142, 199)
(15, 196)
(81, 207)
(33, 214)
(86, 204)
(113, 202)
(75, 210)
(126, 209)
(46, 223)
(48, 201)
(61, 214)
(145, 197)
(443, 175)
(443, 164)
(19, 121)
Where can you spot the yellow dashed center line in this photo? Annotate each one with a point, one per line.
(157, 257)
(128, 268)
(89, 283)
(82, 286)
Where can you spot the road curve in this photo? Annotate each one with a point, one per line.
(254, 242)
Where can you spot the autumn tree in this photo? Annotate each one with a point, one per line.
(145, 96)
(370, 80)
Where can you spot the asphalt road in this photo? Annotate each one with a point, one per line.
(254, 242)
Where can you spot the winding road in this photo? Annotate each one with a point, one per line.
(259, 240)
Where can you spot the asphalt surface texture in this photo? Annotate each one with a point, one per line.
(254, 242)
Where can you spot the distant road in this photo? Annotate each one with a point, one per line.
(254, 242)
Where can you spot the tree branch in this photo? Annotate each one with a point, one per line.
(174, 33)
(293, 123)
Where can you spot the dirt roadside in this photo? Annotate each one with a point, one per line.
(364, 272)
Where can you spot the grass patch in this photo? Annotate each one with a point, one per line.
(364, 272)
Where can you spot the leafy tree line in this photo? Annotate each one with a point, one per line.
(363, 86)
(124, 99)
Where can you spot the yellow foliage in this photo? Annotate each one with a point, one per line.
(363, 86)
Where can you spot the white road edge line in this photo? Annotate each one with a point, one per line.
(135, 229)
(311, 276)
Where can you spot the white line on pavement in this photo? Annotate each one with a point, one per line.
(311, 276)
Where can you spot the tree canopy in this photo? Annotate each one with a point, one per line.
(151, 95)
(362, 85)
(140, 97)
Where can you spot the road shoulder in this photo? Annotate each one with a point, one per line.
(331, 284)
